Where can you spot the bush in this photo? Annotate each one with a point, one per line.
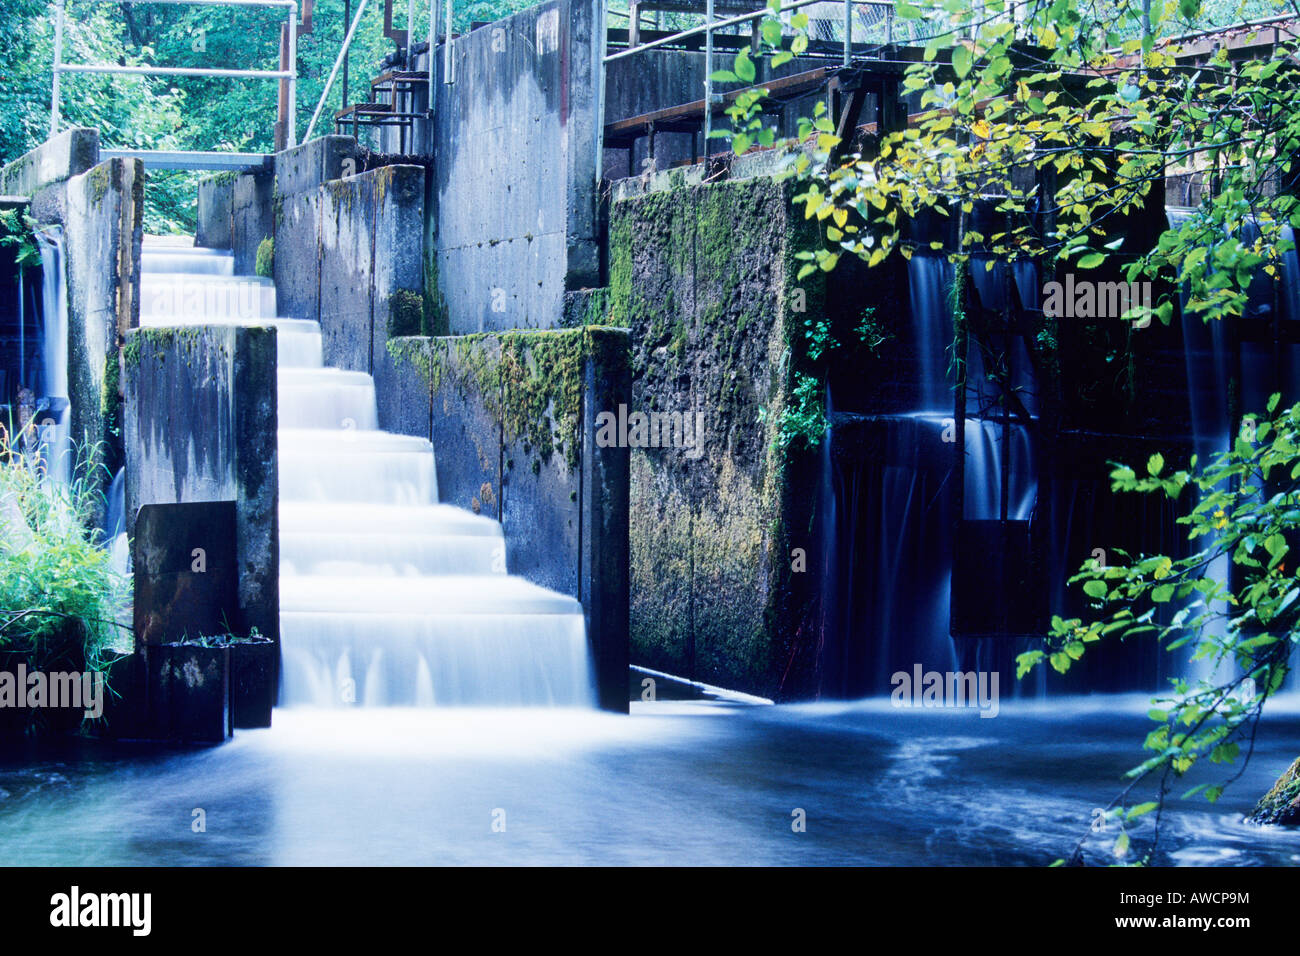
(59, 593)
(265, 264)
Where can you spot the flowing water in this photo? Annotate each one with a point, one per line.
(54, 353)
(386, 596)
(686, 783)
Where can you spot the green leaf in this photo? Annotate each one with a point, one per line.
(1096, 589)
(961, 60)
(744, 67)
(1155, 463)
(1163, 593)
(905, 11)
(1092, 260)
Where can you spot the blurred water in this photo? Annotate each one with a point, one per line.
(675, 783)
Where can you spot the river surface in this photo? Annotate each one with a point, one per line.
(684, 782)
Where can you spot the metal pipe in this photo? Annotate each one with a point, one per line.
(708, 76)
(292, 118)
(448, 70)
(599, 48)
(58, 64)
(410, 36)
(174, 71)
(338, 60)
(729, 21)
(221, 3)
(848, 31)
(433, 63)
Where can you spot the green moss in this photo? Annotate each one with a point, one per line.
(418, 351)
(406, 313)
(436, 314)
(109, 404)
(265, 264)
(100, 180)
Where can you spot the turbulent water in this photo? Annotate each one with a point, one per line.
(676, 783)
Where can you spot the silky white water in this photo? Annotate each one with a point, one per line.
(386, 596)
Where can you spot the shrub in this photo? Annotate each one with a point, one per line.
(59, 593)
(265, 258)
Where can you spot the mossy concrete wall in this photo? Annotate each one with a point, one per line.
(200, 423)
(349, 252)
(704, 278)
(101, 208)
(235, 212)
(511, 418)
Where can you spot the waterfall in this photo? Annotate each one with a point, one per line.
(114, 530)
(386, 596)
(52, 399)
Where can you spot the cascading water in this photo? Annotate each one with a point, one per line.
(1214, 367)
(886, 601)
(54, 351)
(386, 596)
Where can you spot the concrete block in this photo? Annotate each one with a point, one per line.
(212, 228)
(68, 154)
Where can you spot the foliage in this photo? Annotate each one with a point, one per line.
(1246, 507)
(17, 234)
(804, 422)
(1068, 116)
(59, 593)
(265, 264)
(1062, 116)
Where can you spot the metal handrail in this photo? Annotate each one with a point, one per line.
(338, 61)
(289, 76)
(707, 28)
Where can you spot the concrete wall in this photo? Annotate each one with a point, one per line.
(200, 424)
(703, 276)
(515, 220)
(235, 212)
(101, 208)
(348, 249)
(212, 223)
(511, 418)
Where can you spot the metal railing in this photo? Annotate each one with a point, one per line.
(410, 29)
(708, 28)
(176, 159)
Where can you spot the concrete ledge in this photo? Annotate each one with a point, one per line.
(69, 154)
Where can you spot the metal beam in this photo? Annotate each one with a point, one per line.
(191, 159)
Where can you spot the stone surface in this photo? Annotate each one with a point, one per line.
(186, 571)
(703, 276)
(505, 255)
(68, 154)
(200, 425)
(1281, 805)
(252, 218)
(212, 228)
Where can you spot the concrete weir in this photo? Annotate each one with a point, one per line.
(386, 597)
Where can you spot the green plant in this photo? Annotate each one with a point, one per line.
(805, 420)
(17, 233)
(1245, 506)
(265, 264)
(59, 594)
(872, 332)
